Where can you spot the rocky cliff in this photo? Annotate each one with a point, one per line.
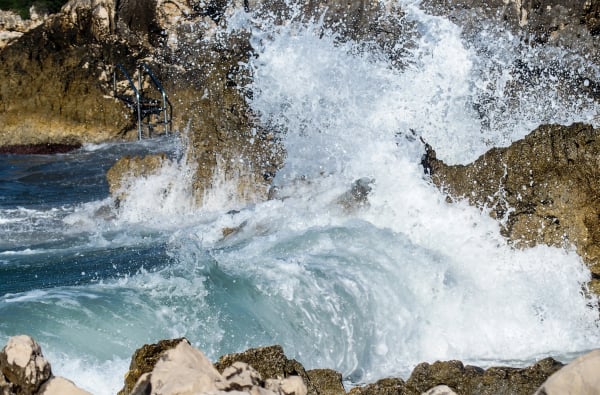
(543, 188)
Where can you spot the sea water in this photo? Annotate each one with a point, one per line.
(370, 290)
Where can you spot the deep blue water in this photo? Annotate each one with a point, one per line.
(37, 249)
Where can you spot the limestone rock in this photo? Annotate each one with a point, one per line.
(270, 362)
(451, 373)
(388, 386)
(184, 370)
(12, 26)
(292, 385)
(543, 188)
(239, 377)
(473, 380)
(181, 370)
(61, 386)
(578, 377)
(63, 55)
(327, 381)
(440, 390)
(143, 361)
(23, 365)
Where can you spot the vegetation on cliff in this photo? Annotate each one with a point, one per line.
(22, 6)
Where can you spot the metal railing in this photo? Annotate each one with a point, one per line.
(143, 106)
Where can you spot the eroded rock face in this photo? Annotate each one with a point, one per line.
(54, 80)
(12, 26)
(543, 188)
(23, 365)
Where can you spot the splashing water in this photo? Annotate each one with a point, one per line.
(368, 289)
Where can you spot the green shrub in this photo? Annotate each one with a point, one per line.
(22, 6)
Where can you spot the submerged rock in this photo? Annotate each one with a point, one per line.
(542, 189)
(128, 168)
(358, 194)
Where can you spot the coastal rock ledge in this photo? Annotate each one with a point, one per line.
(172, 367)
(543, 189)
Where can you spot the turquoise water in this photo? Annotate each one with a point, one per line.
(370, 291)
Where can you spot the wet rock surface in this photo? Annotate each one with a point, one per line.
(128, 168)
(542, 188)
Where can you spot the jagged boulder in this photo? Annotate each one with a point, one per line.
(270, 362)
(542, 188)
(54, 80)
(175, 367)
(23, 365)
(578, 377)
(327, 381)
(465, 380)
(143, 361)
(25, 371)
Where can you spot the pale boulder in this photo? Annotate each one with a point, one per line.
(580, 377)
(182, 370)
(22, 362)
(440, 390)
(61, 386)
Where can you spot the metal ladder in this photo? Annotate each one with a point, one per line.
(145, 107)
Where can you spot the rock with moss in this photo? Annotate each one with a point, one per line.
(270, 362)
(326, 381)
(387, 386)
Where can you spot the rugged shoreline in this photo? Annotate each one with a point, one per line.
(172, 367)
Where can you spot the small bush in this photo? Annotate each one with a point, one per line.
(22, 6)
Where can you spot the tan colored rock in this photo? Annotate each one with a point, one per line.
(387, 386)
(440, 390)
(183, 370)
(580, 377)
(327, 381)
(542, 188)
(61, 386)
(270, 362)
(6, 388)
(143, 361)
(23, 365)
(239, 377)
(292, 385)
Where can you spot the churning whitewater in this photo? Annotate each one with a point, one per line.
(370, 290)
